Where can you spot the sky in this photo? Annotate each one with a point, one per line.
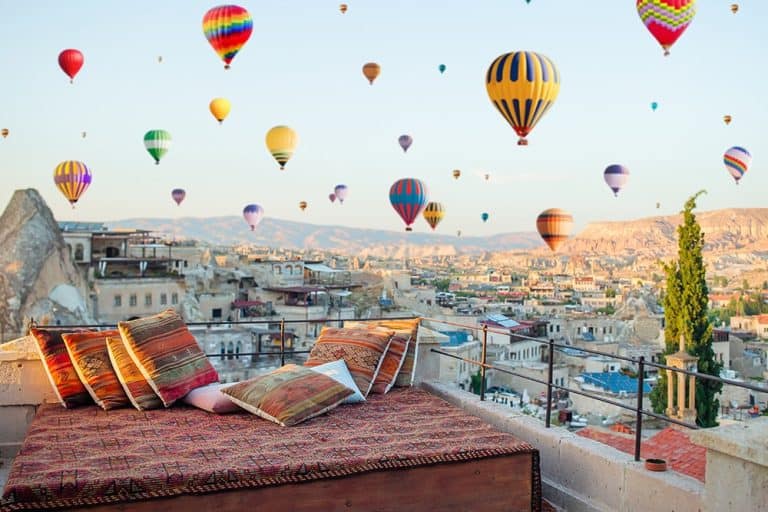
(302, 67)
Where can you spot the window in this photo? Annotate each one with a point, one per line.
(163, 299)
(558, 328)
(148, 299)
(277, 270)
(289, 270)
(132, 300)
(118, 301)
(216, 313)
(174, 298)
(79, 252)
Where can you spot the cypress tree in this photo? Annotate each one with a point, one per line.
(685, 312)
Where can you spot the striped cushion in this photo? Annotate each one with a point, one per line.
(390, 366)
(167, 355)
(88, 351)
(134, 384)
(59, 368)
(362, 349)
(288, 395)
(408, 329)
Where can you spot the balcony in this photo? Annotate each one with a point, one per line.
(577, 472)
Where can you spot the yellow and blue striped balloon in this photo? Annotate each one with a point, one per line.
(72, 179)
(433, 214)
(522, 86)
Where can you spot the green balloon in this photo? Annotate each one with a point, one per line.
(157, 143)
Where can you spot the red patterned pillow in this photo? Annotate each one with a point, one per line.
(167, 355)
(134, 384)
(59, 368)
(390, 366)
(88, 352)
(288, 395)
(407, 328)
(362, 349)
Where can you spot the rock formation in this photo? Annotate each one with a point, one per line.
(37, 278)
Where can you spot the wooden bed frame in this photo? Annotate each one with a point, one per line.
(492, 484)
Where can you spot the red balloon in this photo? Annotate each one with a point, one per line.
(70, 62)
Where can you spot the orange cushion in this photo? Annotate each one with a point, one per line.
(390, 366)
(88, 352)
(59, 368)
(362, 349)
(134, 384)
(408, 328)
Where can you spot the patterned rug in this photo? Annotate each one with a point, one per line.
(89, 456)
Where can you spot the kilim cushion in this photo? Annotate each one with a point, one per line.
(288, 395)
(134, 384)
(59, 368)
(339, 372)
(362, 349)
(167, 355)
(408, 328)
(390, 366)
(88, 351)
(210, 398)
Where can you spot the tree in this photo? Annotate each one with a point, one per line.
(685, 313)
(442, 285)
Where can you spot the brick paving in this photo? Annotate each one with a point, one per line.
(670, 444)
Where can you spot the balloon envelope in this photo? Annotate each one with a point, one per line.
(616, 176)
(343, 8)
(72, 179)
(341, 192)
(71, 61)
(408, 197)
(157, 143)
(281, 142)
(554, 225)
(522, 86)
(484, 216)
(727, 119)
(654, 106)
(371, 70)
(433, 214)
(737, 161)
(441, 68)
(666, 20)
(332, 197)
(227, 28)
(456, 173)
(252, 214)
(405, 142)
(734, 8)
(303, 205)
(4, 132)
(178, 195)
(220, 108)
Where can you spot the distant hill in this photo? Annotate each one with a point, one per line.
(735, 229)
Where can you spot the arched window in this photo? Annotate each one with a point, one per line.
(230, 350)
(113, 252)
(79, 252)
(288, 270)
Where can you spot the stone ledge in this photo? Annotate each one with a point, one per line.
(746, 441)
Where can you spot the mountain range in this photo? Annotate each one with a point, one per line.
(735, 229)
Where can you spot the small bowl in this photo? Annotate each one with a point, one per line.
(655, 464)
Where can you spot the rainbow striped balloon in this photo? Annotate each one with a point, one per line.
(72, 178)
(737, 161)
(408, 197)
(227, 28)
(666, 20)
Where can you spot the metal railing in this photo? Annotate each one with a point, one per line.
(641, 363)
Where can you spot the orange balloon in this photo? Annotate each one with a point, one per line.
(371, 71)
(727, 119)
(456, 174)
(554, 225)
(303, 205)
(343, 8)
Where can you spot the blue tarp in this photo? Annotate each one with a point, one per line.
(614, 382)
(456, 338)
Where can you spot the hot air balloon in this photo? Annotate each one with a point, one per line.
(666, 20)
(4, 132)
(157, 143)
(341, 193)
(227, 28)
(408, 197)
(554, 226)
(343, 8)
(281, 142)
(737, 161)
(178, 195)
(522, 86)
(458, 233)
(654, 106)
(405, 142)
(734, 8)
(727, 119)
(332, 197)
(252, 214)
(71, 61)
(487, 176)
(83, 134)
(456, 174)
(371, 71)
(303, 205)
(72, 178)
(159, 59)
(616, 176)
(658, 205)
(219, 107)
(484, 216)
(442, 68)
(434, 213)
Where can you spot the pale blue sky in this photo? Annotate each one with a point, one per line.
(302, 67)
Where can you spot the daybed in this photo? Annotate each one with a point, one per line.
(403, 451)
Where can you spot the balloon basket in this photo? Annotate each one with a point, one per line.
(522, 142)
(409, 228)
